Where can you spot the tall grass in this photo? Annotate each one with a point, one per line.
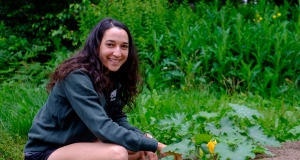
(19, 104)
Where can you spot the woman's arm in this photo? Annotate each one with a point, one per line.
(161, 146)
(121, 119)
(85, 101)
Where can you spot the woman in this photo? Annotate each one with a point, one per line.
(83, 117)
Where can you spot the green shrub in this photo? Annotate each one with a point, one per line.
(234, 48)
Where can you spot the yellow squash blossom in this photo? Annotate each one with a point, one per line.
(211, 146)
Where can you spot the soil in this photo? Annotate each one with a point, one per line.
(288, 151)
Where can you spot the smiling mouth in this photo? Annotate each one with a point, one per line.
(114, 60)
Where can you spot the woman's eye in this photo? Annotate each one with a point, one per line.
(125, 46)
(109, 44)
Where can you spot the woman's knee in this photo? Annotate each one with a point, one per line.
(98, 150)
(119, 152)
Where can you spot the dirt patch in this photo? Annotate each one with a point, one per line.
(288, 151)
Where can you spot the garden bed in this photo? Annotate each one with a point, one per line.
(288, 151)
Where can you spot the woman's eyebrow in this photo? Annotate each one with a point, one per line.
(110, 40)
(115, 41)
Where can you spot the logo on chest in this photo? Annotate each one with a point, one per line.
(113, 95)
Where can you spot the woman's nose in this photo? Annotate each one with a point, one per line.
(117, 52)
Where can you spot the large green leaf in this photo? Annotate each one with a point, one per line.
(261, 149)
(241, 152)
(232, 138)
(168, 158)
(226, 127)
(176, 119)
(185, 147)
(245, 112)
(205, 114)
(201, 138)
(184, 128)
(257, 134)
(295, 130)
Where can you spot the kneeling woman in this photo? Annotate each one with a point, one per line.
(83, 116)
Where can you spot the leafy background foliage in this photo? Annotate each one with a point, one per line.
(229, 48)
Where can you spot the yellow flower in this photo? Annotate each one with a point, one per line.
(211, 146)
(278, 14)
(274, 16)
(260, 18)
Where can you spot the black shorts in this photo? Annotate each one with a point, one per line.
(38, 155)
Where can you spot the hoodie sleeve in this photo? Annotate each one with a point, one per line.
(121, 119)
(85, 101)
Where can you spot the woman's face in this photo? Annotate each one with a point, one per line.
(114, 48)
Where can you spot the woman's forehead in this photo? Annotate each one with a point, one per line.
(116, 35)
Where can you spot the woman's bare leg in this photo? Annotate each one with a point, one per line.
(91, 151)
(134, 155)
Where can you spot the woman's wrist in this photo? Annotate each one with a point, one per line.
(160, 146)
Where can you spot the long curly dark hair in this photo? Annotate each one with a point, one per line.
(88, 60)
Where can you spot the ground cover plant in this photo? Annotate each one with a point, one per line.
(242, 125)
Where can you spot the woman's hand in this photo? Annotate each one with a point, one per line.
(161, 146)
(176, 155)
(151, 155)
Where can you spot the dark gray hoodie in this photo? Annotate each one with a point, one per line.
(74, 112)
